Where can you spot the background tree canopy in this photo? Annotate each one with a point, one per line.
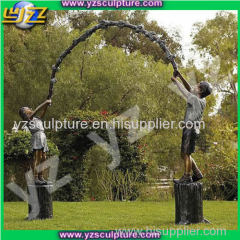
(117, 69)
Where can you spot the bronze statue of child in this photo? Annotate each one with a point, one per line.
(38, 141)
(196, 104)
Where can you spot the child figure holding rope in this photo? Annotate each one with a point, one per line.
(196, 104)
(38, 140)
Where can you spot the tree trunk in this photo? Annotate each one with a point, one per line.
(188, 203)
(40, 202)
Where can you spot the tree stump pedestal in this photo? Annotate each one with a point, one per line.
(189, 203)
(40, 202)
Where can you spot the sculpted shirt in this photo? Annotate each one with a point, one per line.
(195, 105)
(38, 140)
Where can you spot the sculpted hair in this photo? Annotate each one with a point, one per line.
(22, 113)
(206, 89)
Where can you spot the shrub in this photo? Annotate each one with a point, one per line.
(17, 158)
(116, 185)
(221, 181)
(218, 159)
(74, 145)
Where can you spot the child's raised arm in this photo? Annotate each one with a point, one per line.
(185, 83)
(43, 106)
(184, 92)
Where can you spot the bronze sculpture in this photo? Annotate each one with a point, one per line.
(38, 140)
(196, 103)
(104, 24)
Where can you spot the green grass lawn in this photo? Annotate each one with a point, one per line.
(118, 215)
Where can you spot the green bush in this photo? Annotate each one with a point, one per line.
(217, 159)
(221, 181)
(118, 186)
(17, 159)
(16, 144)
(74, 146)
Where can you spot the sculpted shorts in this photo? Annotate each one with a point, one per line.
(189, 137)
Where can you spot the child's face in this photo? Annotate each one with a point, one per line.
(195, 90)
(28, 111)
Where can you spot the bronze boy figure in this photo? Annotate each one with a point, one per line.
(195, 106)
(38, 140)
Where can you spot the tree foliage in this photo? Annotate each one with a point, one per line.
(217, 40)
(74, 146)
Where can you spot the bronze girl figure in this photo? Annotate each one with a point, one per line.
(38, 141)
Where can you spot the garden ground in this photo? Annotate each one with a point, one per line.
(118, 215)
